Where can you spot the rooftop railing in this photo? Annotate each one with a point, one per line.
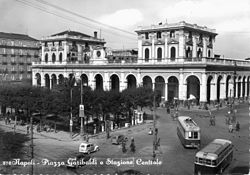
(157, 61)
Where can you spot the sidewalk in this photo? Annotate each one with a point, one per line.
(63, 135)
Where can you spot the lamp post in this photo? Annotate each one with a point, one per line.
(71, 118)
(154, 128)
(81, 111)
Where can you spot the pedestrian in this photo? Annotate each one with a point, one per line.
(124, 147)
(132, 146)
(28, 129)
(154, 155)
(230, 127)
(237, 126)
(213, 119)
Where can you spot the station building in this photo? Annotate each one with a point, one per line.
(175, 59)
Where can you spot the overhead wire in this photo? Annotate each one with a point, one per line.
(27, 3)
(86, 18)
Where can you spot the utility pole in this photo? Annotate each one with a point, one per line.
(71, 120)
(82, 113)
(32, 144)
(154, 128)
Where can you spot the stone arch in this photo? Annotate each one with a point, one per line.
(229, 87)
(38, 79)
(248, 85)
(147, 82)
(209, 80)
(47, 80)
(84, 79)
(244, 86)
(193, 87)
(172, 53)
(219, 79)
(53, 58)
(160, 86)
(60, 79)
(239, 87)
(131, 81)
(159, 54)
(115, 83)
(235, 85)
(98, 82)
(146, 55)
(173, 88)
(53, 80)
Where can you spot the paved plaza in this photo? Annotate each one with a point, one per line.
(172, 157)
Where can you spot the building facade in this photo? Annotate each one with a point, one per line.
(17, 52)
(175, 59)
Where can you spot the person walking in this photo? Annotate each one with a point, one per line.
(237, 126)
(28, 129)
(132, 145)
(230, 128)
(124, 146)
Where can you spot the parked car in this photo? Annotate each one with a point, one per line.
(77, 161)
(118, 139)
(88, 148)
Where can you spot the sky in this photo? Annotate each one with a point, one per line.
(117, 20)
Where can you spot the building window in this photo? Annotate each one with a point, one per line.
(53, 57)
(46, 57)
(172, 52)
(146, 55)
(188, 53)
(46, 44)
(146, 35)
(200, 37)
(159, 54)
(199, 53)
(172, 34)
(158, 35)
(190, 35)
(60, 57)
(209, 54)
(60, 43)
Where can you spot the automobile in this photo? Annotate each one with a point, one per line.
(88, 148)
(78, 161)
(118, 139)
(150, 132)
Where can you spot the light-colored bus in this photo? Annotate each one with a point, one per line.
(188, 132)
(214, 158)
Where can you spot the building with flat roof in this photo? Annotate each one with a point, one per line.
(17, 52)
(177, 60)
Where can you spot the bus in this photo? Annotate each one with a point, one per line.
(188, 132)
(214, 158)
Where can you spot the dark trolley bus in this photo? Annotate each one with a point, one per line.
(214, 158)
(188, 132)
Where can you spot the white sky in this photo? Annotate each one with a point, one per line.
(230, 18)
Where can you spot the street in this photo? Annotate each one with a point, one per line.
(171, 157)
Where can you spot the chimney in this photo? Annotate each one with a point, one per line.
(95, 34)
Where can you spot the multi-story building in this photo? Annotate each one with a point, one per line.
(17, 52)
(177, 60)
(122, 55)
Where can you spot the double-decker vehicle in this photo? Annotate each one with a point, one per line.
(188, 132)
(214, 158)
